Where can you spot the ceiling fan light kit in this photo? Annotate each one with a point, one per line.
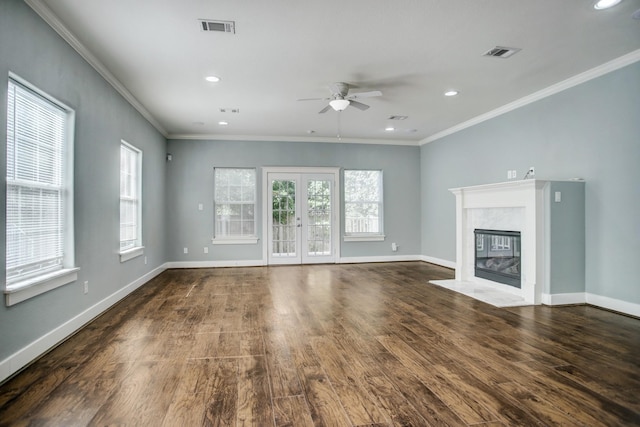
(341, 99)
(605, 4)
(339, 104)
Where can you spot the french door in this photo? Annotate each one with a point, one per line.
(301, 222)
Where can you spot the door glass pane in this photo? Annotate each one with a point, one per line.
(319, 218)
(284, 218)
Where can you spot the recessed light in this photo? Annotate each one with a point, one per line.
(451, 93)
(212, 79)
(223, 123)
(389, 129)
(605, 4)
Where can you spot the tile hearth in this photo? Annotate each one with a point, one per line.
(482, 293)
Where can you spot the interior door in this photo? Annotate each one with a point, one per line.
(301, 218)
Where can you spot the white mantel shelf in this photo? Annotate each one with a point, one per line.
(522, 206)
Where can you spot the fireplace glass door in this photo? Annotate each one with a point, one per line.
(497, 256)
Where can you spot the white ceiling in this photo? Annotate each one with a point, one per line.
(155, 53)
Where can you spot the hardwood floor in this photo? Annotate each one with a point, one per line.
(331, 345)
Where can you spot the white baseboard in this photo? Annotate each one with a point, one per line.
(438, 261)
(215, 264)
(365, 259)
(620, 306)
(564, 299)
(630, 308)
(26, 355)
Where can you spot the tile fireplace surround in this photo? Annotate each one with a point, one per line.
(514, 206)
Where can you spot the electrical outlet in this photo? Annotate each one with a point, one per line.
(86, 286)
(145, 260)
(206, 249)
(394, 247)
(532, 171)
(186, 250)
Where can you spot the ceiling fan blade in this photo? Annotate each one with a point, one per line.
(325, 109)
(364, 94)
(314, 99)
(359, 105)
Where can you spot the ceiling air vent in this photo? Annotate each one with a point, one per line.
(218, 26)
(397, 117)
(502, 52)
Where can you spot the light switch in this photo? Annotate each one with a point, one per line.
(558, 196)
(200, 206)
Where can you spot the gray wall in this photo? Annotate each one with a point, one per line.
(32, 50)
(590, 131)
(190, 182)
(566, 245)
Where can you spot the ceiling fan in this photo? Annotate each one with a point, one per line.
(341, 99)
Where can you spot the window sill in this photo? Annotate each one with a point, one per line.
(234, 241)
(365, 238)
(131, 253)
(21, 291)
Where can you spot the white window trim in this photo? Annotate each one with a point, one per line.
(364, 237)
(23, 290)
(369, 237)
(138, 249)
(249, 240)
(237, 240)
(131, 253)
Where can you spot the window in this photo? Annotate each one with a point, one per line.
(363, 205)
(130, 212)
(39, 221)
(235, 202)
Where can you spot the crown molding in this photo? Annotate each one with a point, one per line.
(333, 140)
(54, 22)
(591, 74)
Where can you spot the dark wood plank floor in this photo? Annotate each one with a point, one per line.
(331, 345)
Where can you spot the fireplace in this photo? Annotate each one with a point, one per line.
(551, 246)
(497, 256)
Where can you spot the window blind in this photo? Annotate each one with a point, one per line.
(363, 201)
(129, 197)
(235, 199)
(35, 210)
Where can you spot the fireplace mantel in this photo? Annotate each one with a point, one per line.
(523, 206)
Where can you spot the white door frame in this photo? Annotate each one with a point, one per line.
(336, 208)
